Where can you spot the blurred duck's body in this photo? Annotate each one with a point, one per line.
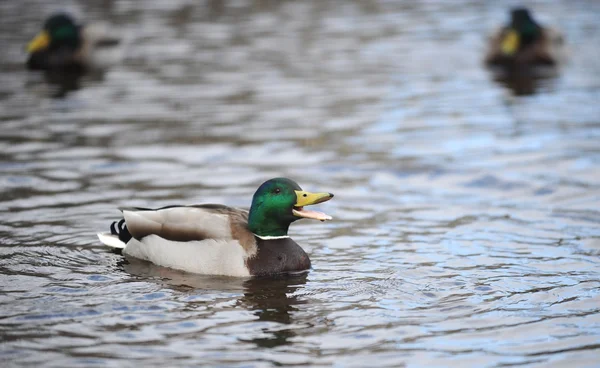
(524, 43)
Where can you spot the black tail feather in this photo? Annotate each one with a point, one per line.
(113, 229)
(120, 229)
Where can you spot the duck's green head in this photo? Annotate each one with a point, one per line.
(59, 30)
(279, 202)
(522, 31)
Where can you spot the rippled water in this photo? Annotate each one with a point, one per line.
(466, 219)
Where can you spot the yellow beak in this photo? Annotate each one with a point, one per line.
(510, 43)
(40, 42)
(305, 199)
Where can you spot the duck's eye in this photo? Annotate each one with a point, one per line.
(277, 190)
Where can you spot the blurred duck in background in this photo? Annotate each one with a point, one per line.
(520, 50)
(524, 42)
(66, 50)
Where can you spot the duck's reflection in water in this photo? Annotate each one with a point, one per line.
(274, 300)
(271, 299)
(63, 82)
(58, 84)
(524, 80)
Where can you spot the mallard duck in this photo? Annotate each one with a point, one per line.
(218, 240)
(523, 42)
(63, 45)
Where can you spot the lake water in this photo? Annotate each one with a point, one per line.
(466, 225)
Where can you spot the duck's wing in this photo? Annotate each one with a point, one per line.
(552, 46)
(100, 35)
(187, 223)
(102, 46)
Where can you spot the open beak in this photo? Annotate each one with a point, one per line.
(40, 42)
(306, 199)
(510, 43)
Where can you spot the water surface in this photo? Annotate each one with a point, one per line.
(466, 219)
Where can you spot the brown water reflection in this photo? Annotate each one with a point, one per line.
(465, 227)
(524, 81)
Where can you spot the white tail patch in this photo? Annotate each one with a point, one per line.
(111, 240)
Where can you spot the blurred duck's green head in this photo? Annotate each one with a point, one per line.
(522, 31)
(279, 202)
(59, 30)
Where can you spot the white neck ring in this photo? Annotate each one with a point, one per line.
(272, 237)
